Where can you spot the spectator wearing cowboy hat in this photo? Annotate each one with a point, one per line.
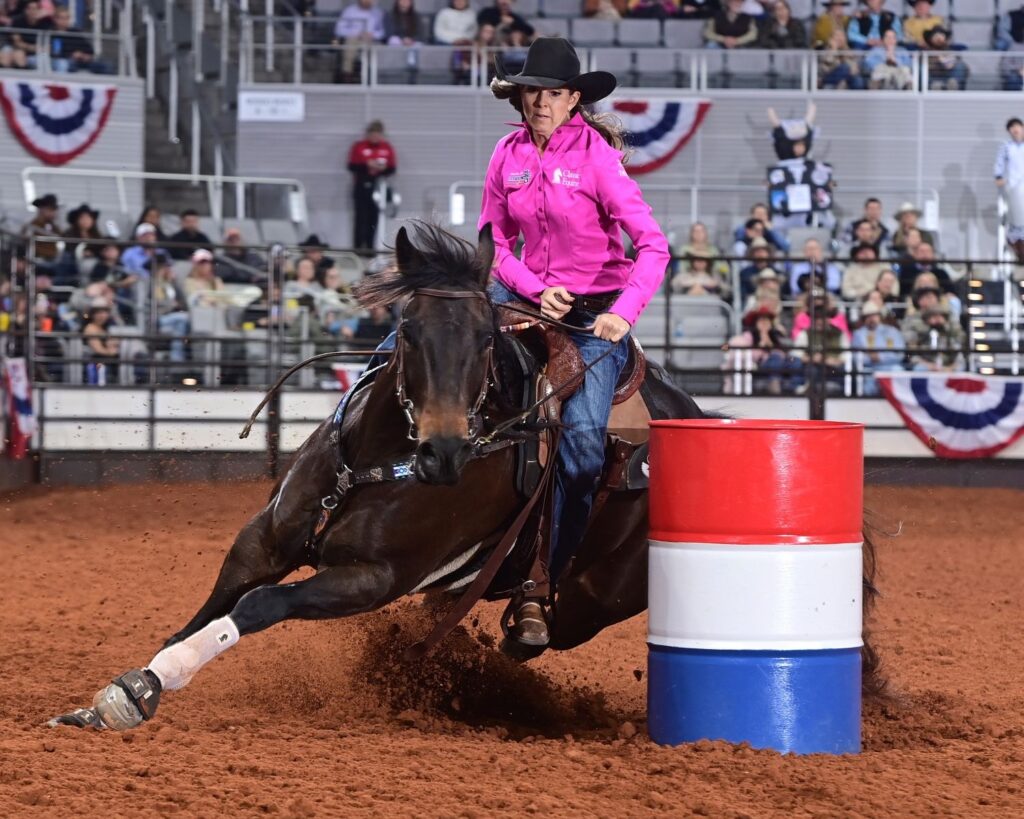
(946, 71)
(44, 224)
(834, 19)
(938, 341)
(777, 371)
(824, 305)
(83, 242)
(313, 249)
(907, 217)
(879, 346)
(916, 25)
(868, 26)
(768, 292)
(760, 255)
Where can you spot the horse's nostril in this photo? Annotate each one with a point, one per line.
(427, 454)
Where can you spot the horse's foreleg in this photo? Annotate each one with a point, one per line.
(257, 557)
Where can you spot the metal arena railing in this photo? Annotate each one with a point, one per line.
(248, 333)
(111, 54)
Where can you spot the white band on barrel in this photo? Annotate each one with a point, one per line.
(752, 598)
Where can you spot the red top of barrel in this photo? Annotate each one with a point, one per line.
(756, 481)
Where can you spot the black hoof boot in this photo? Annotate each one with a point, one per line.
(79, 718)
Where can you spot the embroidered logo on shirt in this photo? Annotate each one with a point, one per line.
(569, 179)
(521, 178)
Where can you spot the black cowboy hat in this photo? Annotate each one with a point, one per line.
(83, 208)
(312, 242)
(933, 32)
(552, 62)
(48, 200)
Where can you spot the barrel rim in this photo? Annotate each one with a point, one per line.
(756, 424)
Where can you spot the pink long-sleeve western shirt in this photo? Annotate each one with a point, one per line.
(569, 204)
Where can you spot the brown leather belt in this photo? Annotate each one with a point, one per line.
(595, 302)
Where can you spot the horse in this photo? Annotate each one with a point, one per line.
(451, 375)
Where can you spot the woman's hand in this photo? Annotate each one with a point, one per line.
(610, 327)
(555, 302)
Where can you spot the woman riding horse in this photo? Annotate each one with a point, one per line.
(558, 179)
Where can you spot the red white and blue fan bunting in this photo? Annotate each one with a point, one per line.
(56, 122)
(958, 416)
(656, 129)
(21, 418)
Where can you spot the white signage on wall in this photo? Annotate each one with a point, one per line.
(271, 106)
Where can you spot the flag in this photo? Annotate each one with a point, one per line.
(20, 417)
(656, 130)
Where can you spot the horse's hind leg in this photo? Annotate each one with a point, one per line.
(257, 557)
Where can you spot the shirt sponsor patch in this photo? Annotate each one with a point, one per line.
(521, 178)
(569, 179)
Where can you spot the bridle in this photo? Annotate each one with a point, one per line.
(473, 416)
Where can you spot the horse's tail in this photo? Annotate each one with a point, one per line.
(873, 680)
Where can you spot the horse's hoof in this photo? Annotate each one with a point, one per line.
(520, 652)
(79, 718)
(115, 709)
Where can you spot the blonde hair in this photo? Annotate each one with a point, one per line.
(607, 125)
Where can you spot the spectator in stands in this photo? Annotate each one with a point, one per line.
(868, 27)
(946, 71)
(1010, 33)
(368, 331)
(9, 56)
(189, 235)
(236, 264)
(888, 65)
(512, 30)
(171, 306)
(698, 277)
(33, 18)
(834, 19)
(759, 253)
(402, 25)
(134, 259)
(107, 267)
(827, 273)
(873, 216)
(780, 30)
(201, 279)
(313, 249)
(361, 23)
(906, 220)
(824, 304)
(151, 216)
(456, 26)
(698, 244)
(768, 292)
(776, 238)
(938, 341)
(82, 244)
(880, 346)
(861, 276)
(836, 67)
(888, 287)
(825, 363)
(920, 22)
(656, 9)
(70, 48)
(924, 262)
(101, 347)
(603, 9)
(752, 229)
(306, 281)
(43, 226)
(1009, 175)
(730, 27)
(776, 369)
(369, 160)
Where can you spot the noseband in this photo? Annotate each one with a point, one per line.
(475, 422)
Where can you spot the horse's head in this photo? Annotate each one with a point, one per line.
(444, 349)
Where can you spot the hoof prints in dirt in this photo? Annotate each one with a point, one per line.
(467, 680)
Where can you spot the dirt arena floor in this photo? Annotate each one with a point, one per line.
(321, 719)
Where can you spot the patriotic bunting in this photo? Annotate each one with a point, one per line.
(656, 130)
(55, 122)
(958, 416)
(20, 417)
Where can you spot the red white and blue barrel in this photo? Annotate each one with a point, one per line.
(755, 572)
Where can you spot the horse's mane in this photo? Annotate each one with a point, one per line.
(441, 259)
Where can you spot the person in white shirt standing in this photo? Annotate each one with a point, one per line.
(1009, 174)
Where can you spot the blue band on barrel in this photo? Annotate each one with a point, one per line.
(803, 702)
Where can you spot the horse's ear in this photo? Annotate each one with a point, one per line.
(485, 251)
(406, 253)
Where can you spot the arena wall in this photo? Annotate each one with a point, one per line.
(946, 142)
(119, 147)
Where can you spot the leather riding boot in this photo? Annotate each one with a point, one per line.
(529, 624)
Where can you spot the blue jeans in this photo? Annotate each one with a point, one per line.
(843, 73)
(585, 420)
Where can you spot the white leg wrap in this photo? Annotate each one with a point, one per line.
(176, 665)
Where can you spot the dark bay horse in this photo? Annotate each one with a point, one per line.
(384, 540)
